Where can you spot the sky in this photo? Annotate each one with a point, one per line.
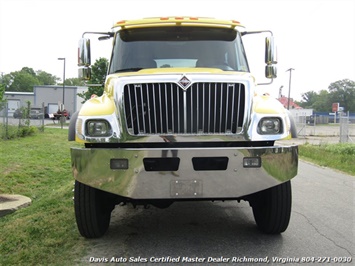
(316, 38)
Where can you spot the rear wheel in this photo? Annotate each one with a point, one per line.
(93, 209)
(272, 208)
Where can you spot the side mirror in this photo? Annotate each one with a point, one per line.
(270, 58)
(270, 71)
(84, 73)
(84, 59)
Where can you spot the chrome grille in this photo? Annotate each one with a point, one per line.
(165, 108)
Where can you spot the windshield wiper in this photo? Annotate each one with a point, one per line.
(128, 69)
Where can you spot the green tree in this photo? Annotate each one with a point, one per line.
(308, 99)
(343, 92)
(26, 78)
(322, 103)
(46, 78)
(28, 70)
(20, 81)
(98, 76)
(99, 71)
(319, 102)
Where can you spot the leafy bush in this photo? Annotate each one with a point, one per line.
(12, 132)
(24, 131)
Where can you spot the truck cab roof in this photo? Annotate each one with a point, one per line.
(176, 21)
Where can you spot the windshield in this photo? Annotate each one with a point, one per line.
(164, 47)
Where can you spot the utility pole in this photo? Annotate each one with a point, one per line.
(289, 89)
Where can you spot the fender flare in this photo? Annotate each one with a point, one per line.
(72, 124)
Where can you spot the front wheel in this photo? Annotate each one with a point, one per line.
(272, 208)
(92, 210)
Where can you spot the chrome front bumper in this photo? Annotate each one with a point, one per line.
(148, 177)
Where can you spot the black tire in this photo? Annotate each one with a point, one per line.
(92, 210)
(272, 208)
(72, 124)
(293, 126)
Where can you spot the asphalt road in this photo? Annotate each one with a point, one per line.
(322, 228)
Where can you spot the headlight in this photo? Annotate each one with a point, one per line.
(98, 128)
(270, 126)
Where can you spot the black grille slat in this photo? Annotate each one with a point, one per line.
(165, 108)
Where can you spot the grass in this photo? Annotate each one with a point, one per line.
(337, 156)
(45, 233)
(11, 132)
(38, 166)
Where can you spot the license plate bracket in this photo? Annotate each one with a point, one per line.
(186, 188)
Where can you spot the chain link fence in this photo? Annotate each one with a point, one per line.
(321, 126)
(346, 130)
(20, 122)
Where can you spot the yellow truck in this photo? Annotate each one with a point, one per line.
(180, 120)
